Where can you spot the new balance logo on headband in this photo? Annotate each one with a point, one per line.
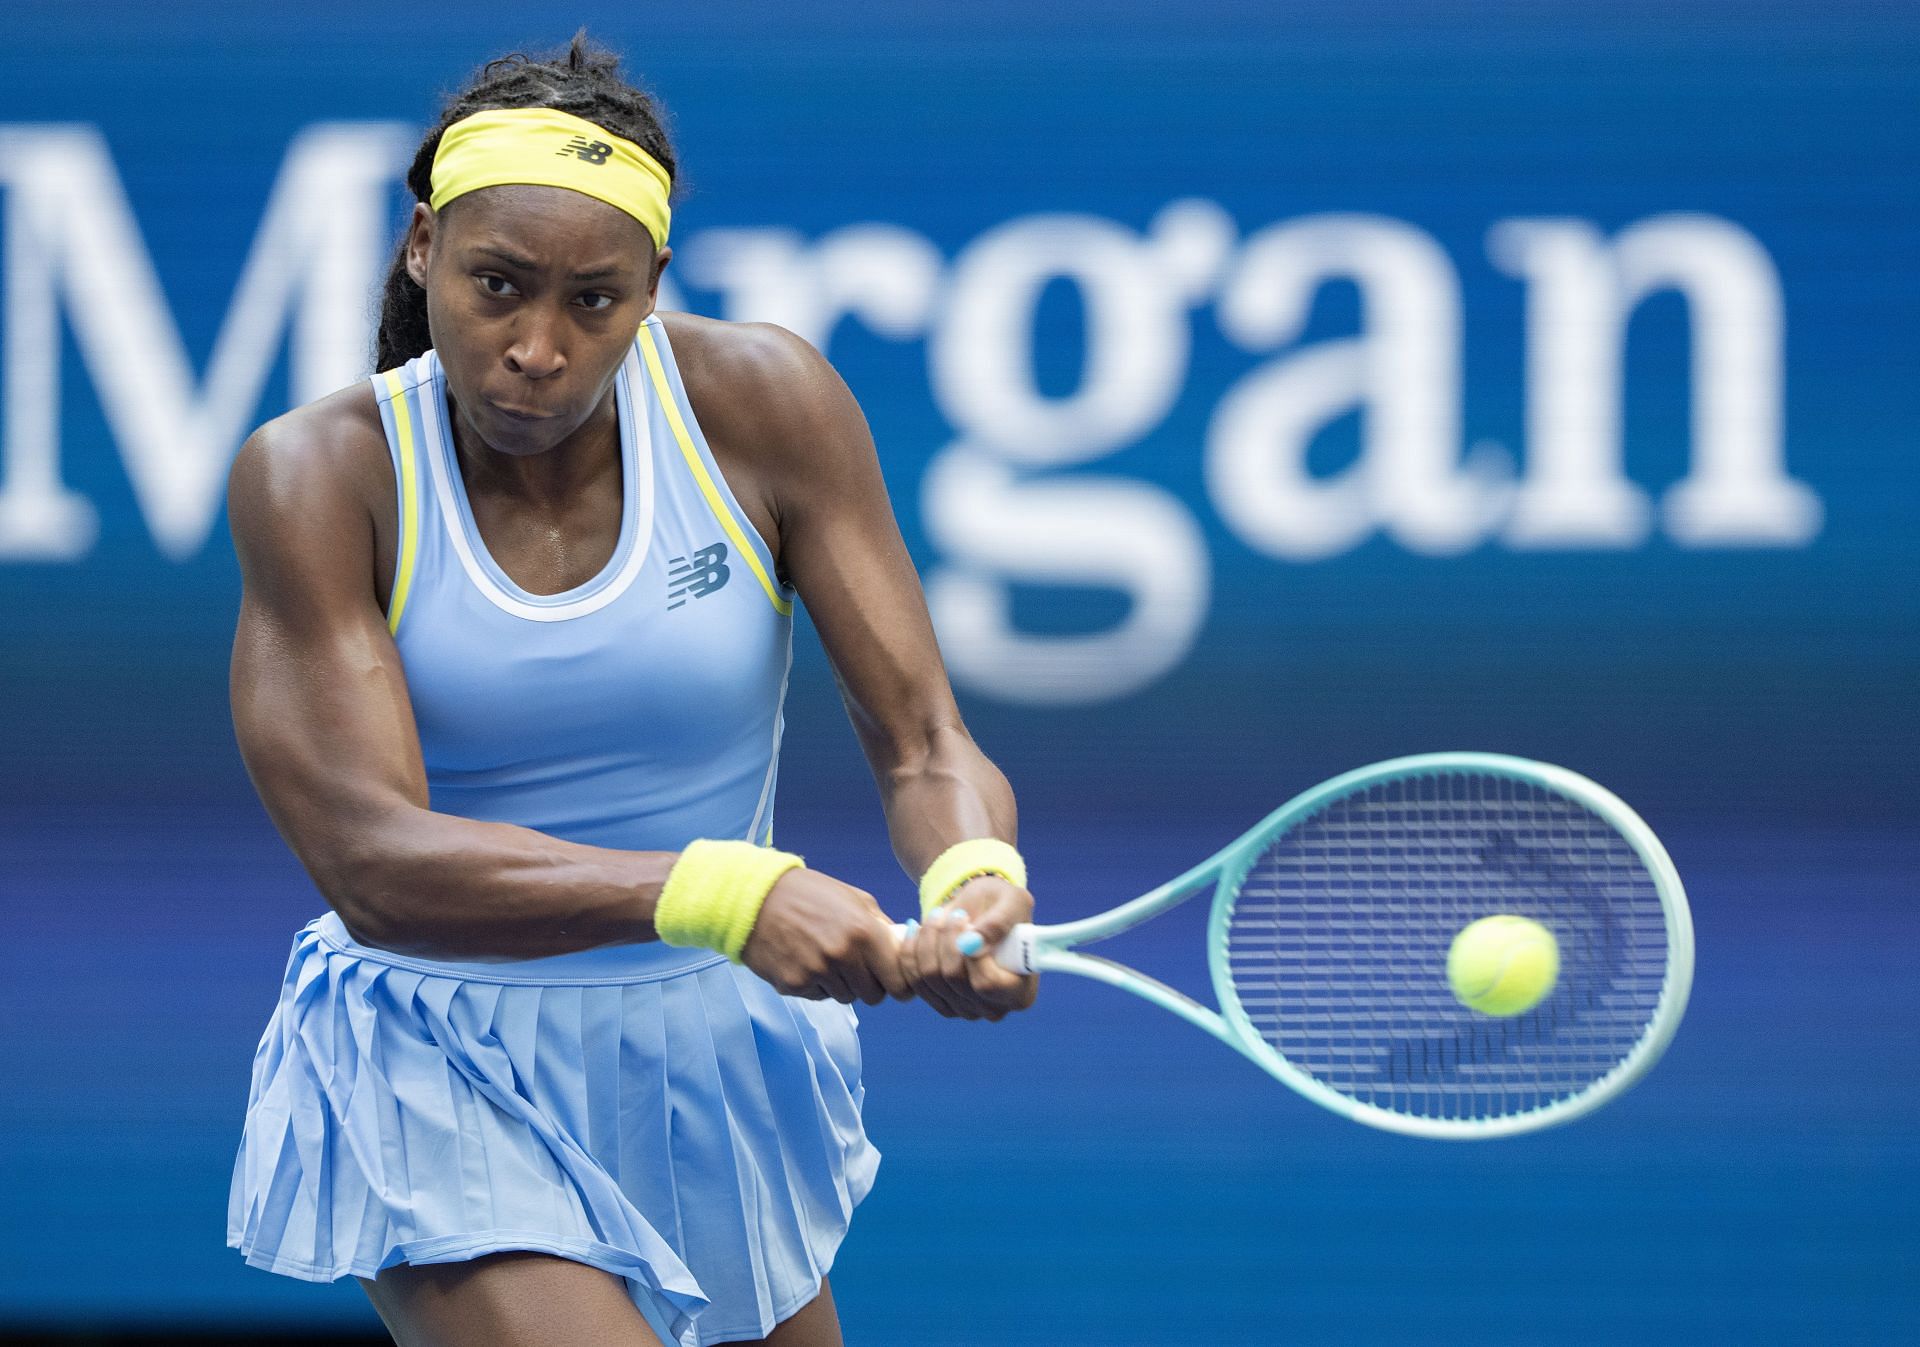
(592, 151)
(705, 572)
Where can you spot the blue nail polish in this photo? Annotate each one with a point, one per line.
(970, 944)
(912, 926)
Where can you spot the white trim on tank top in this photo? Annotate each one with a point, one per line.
(773, 755)
(639, 422)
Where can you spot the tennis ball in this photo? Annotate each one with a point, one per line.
(1503, 965)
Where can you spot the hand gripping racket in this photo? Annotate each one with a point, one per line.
(1333, 917)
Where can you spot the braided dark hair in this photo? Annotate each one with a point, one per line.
(584, 80)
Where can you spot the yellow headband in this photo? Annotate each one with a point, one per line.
(545, 147)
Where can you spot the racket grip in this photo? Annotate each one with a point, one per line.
(1015, 953)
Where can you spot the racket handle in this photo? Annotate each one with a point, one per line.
(1015, 953)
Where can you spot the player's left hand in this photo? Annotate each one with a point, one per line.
(970, 987)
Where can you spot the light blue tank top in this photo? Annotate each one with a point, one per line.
(641, 709)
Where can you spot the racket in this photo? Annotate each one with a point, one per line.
(1331, 923)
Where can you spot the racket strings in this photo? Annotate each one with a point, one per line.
(1338, 936)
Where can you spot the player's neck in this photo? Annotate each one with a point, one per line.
(546, 478)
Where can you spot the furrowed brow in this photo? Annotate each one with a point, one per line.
(515, 260)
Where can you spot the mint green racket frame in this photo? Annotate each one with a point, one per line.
(1051, 948)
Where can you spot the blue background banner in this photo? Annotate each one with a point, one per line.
(1260, 394)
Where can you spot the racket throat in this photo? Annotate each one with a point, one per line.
(1141, 985)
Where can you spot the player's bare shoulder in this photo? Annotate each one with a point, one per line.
(768, 404)
(765, 398)
(318, 476)
(755, 374)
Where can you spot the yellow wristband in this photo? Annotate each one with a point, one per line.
(968, 860)
(714, 891)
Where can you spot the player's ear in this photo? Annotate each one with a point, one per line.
(420, 242)
(660, 260)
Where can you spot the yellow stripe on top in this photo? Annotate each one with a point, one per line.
(700, 474)
(409, 503)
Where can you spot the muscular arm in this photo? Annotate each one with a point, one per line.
(321, 711)
(813, 461)
(807, 446)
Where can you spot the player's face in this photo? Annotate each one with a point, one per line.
(533, 298)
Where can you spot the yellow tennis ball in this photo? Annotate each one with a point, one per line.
(1503, 965)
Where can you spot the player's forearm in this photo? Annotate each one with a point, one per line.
(439, 886)
(944, 792)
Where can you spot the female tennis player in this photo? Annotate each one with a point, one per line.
(571, 1059)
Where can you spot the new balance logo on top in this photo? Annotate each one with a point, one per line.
(696, 576)
(592, 151)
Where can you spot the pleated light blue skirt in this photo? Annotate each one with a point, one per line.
(665, 1116)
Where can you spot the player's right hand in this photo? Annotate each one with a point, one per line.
(819, 938)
